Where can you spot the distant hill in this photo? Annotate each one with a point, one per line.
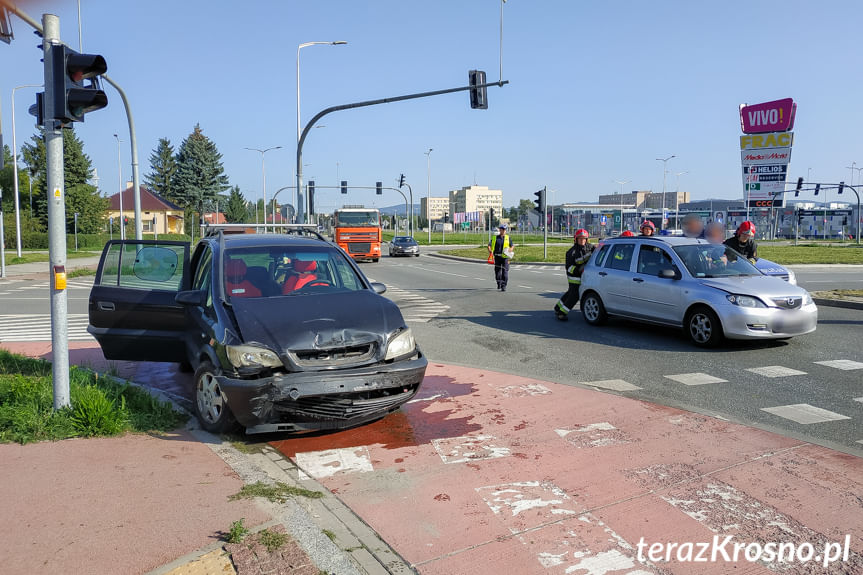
(399, 210)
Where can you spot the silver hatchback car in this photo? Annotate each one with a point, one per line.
(709, 290)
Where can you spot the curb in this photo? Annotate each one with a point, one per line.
(476, 261)
(847, 304)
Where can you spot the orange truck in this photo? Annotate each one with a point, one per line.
(358, 232)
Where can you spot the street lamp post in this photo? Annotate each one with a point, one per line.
(264, 180)
(622, 183)
(15, 172)
(677, 200)
(428, 190)
(664, 174)
(301, 205)
(120, 185)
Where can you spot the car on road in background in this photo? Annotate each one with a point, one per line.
(404, 246)
(284, 333)
(769, 268)
(709, 290)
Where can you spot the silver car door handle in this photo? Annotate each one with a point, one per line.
(639, 280)
(106, 306)
(603, 274)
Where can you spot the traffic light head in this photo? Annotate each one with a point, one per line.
(841, 186)
(379, 188)
(75, 80)
(817, 188)
(540, 201)
(402, 181)
(478, 95)
(311, 197)
(344, 186)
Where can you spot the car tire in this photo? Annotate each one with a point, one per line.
(375, 260)
(416, 255)
(703, 327)
(592, 309)
(211, 406)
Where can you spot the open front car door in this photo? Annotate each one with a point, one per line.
(132, 310)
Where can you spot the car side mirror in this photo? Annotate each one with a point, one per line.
(195, 297)
(669, 274)
(379, 287)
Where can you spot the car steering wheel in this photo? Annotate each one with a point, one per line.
(318, 283)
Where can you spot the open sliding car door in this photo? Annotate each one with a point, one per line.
(133, 314)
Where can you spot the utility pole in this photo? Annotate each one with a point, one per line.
(545, 224)
(56, 219)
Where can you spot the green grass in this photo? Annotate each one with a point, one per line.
(36, 257)
(79, 272)
(786, 255)
(101, 405)
(272, 540)
(278, 493)
(237, 532)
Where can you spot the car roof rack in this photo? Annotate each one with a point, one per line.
(230, 229)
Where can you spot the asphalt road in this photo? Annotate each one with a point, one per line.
(460, 318)
(516, 332)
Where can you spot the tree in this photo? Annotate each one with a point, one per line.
(236, 211)
(80, 196)
(524, 207)
(200, 176)
(163, 166)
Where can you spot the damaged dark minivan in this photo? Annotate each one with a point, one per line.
(283, 332)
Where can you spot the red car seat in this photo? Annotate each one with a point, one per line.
(304, 276)
(236, 284)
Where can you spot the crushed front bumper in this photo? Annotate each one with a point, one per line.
(315, 400)
(768, 323)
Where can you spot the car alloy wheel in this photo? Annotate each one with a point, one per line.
(704, 328)
(592, 309)
(211, 405)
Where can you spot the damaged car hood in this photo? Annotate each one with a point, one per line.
(317, 321)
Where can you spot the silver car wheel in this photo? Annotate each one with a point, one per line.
(590, 309)
(701, 327)
(211, 401)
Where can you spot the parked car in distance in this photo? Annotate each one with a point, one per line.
(404, 246)
(709, 290)
(284, 333)
(769, 268)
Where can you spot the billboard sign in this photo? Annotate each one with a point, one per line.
(775, 116)
(764, 159)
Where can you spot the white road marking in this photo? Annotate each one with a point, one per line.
(599, 434)
(38, 327)
(526, 390)
(525, 287)
(844, 364)
(320, 464)
(775, 371)
(805, 413)
(468, 448)
(860, 399)
(546, 501)
(613, 384)
(695, 378)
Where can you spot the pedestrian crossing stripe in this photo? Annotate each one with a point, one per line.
(38, 327)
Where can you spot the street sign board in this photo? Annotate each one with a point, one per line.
(775, 116)
(765, 159)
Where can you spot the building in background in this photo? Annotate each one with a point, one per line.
(157, 214)
(645, 200)
(476, 199)
(433, 208)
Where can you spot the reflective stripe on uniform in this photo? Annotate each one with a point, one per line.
(562, 307)
(575, 280)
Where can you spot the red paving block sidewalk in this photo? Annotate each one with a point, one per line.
(493, 473)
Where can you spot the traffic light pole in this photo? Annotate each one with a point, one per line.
(545, 224)
(133, 142)
(56, 220)
(301, 204)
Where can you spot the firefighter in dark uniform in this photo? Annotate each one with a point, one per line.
(576, 257)
(501, 247)
(743, 241)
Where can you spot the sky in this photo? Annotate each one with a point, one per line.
(598, 90)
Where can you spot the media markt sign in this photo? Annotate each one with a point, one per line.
(765, 151)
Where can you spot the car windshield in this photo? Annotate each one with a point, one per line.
(404, 240)
(270, 271)
(359, 218)
(714, 261)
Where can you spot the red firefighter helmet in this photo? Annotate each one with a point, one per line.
(647, 224)
(581, 233)
(746, 227)
(627, 234)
